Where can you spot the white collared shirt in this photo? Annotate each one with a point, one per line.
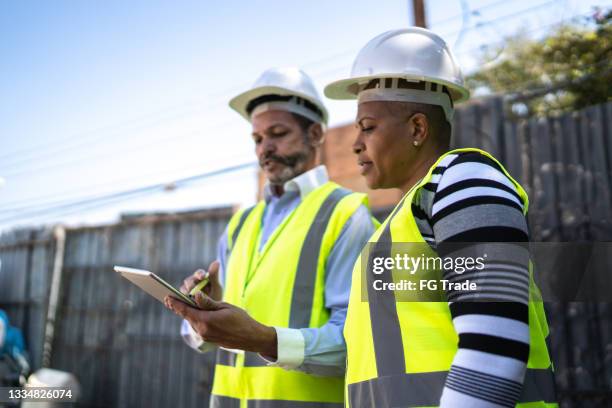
(305, 183)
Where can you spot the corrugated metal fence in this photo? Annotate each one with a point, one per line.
(25, 277)
(124, 347)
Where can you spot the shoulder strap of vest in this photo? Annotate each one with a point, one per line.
(235, 227)
(304, 285)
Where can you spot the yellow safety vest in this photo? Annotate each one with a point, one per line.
(282, 285)
(399, 353)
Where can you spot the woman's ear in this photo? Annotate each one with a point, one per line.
(419, 126)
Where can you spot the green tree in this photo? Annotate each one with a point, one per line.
(569, 69)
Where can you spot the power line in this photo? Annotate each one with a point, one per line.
(464, 22)
(113, 198)
(530, 31)
(54, 151)
(143, 146)
(83, 138)
(518, 13)
(461, 31)
(57, 150)
(99, 200)
(146, 145)
(221, 95)
(475, 10)
(504, 17)
(480, 24)
(325, 73)
(101, 155)
(481, 46)
(16, 206)
(521, 12)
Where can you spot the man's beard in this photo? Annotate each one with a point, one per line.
(291, 165)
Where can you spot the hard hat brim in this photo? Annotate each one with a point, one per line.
(240, 102)
(347, 88)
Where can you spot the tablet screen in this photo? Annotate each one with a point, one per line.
(152, 284)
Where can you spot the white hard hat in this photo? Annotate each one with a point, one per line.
(295, 88)
(412, 54)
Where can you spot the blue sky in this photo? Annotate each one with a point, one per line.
(99, 97)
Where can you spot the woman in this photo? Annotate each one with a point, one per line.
(448, 345)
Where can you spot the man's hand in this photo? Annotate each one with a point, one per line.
(226, 325)
(213, 289)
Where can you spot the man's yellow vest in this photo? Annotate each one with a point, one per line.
(282, 285)
(399, 353)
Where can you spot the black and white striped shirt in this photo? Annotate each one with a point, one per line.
(470, 199)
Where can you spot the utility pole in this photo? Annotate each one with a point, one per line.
(418, 11)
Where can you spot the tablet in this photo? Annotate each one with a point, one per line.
(152, 284)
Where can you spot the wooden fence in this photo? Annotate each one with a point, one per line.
(125, 349)
(565, 165)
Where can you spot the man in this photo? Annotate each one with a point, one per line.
(459, 345)
(285, 263)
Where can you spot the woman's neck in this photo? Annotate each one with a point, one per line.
(420, 170)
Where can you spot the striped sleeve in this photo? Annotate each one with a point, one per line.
(471, 207)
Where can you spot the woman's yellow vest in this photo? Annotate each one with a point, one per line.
(399, 352)
(282, 285)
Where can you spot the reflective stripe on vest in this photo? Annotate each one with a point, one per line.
(228, 358)
(388, 345)
(303, 288)
(234, 236)
(424, 389)
(399, 354)
(218, 401)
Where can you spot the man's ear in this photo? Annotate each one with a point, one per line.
(420, 127)
(316, 136)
